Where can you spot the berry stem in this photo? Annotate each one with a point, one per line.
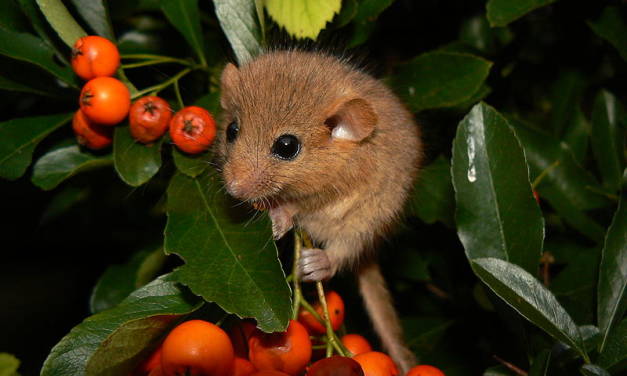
(332, 341)
(298, 295)
(177, 91)
(157, 88)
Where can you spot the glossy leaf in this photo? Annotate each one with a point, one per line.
(614, 356)
(60, 164)
(230, 259)
(61, 21)
(113, 341)
(548, 156)
(540, 364)
(607, 139)
(502, 12)
(118, 281)
(433, 198)
(593, 370)
(611, 27)
(303, 18)
(238, 19)
(8, 365)
(523, 292)
(135, 162)
(612, 299)
(96, 14)
(19, 138)
(440, 79)
(496, 213)
(185, 16)
(28, 48)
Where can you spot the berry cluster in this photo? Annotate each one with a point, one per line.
(106, 101)
(197, 347)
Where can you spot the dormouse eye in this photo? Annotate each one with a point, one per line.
(231, 131)
(286, 147)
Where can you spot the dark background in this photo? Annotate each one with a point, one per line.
(51, 262)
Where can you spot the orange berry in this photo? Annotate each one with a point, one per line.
(197, 347)
(105, 100)
(335, 304)
(91, 135)
(356, 344)
(425, 370)
(192, 129)
(287, 352)
(243, 367)
(94, 56)
(376, 363)
(149, 118)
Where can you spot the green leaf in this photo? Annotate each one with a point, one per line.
(423, 333)
(612, 300)
(12, 18)
(347, 13)
(496, 213)
(135, 162)
(238, 19)
(61, 21)
(369, 10)
(62, 163)
(614, 356)
(433, 199)
(540, 364)
(118, 281)
(440, 79)
(523, 292)
(566, 93)
(593, 370)
(610, 26)
(63, 201)
(608, 139)
(502, 12)
(96, 14)
(229, 258)
(554, 160)
(303, 18)
(8, 365)
(575, 283)
(29, 48)
(6, 84)
(476, 32)
(577, 135)
(191, 165)
(112, 342)
(185, 16)
(19, 139)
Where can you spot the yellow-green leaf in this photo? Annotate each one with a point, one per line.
(303, 18)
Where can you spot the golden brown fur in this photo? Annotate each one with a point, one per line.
(345, 192)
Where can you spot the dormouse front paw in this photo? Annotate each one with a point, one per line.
(282, 221)
(314, 265)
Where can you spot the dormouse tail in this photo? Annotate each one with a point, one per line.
(380, 308)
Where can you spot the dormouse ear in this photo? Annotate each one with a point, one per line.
(228, 79)
(353, 120)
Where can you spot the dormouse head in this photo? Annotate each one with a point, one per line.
(293, 124)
